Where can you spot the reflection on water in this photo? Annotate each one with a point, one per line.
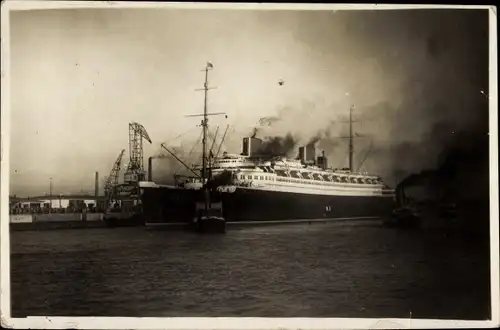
(319, 270)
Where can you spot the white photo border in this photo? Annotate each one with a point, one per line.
(223, 322)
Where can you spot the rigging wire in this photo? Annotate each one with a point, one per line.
(221, 142)
(227, 134)
(193, 147)
(366, 155)
(210, 135)
(190, 152)
(186, 132)
(213, 145)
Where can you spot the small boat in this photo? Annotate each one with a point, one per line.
(404, 217)
(209, 218)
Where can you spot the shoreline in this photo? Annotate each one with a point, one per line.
(56, 225)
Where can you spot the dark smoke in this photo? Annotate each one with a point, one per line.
(315, 140)
(461, 174)
(274, 145)
(268, 121)
(464, 166)
(461, 178)
(254, 133)
(278, 146)
(263, 123)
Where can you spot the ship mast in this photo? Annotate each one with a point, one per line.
(351, 142)
(204, 124)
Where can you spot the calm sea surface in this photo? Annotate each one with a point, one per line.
(319, 270)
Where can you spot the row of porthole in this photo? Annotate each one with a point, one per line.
(228, 161)
(343, 179)
(256, 177)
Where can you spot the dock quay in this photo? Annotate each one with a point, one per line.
(71, 212)
(23, 222)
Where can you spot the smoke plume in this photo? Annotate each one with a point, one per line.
(278, 146)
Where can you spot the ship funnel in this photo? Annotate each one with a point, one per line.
(307, 154)
(251, 146)
(322, 161)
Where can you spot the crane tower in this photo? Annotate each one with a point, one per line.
(135, 169)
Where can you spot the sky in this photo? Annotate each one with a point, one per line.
(80, 76)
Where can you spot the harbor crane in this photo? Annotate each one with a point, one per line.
(135, 170)
(112, 180)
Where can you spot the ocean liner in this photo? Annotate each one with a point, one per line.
(256, 187)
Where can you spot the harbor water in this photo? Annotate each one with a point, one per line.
(345, 269)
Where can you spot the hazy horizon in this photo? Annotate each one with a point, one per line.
(80, 76)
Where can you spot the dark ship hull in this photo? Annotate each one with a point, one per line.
(261, 205)
(163, 205)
